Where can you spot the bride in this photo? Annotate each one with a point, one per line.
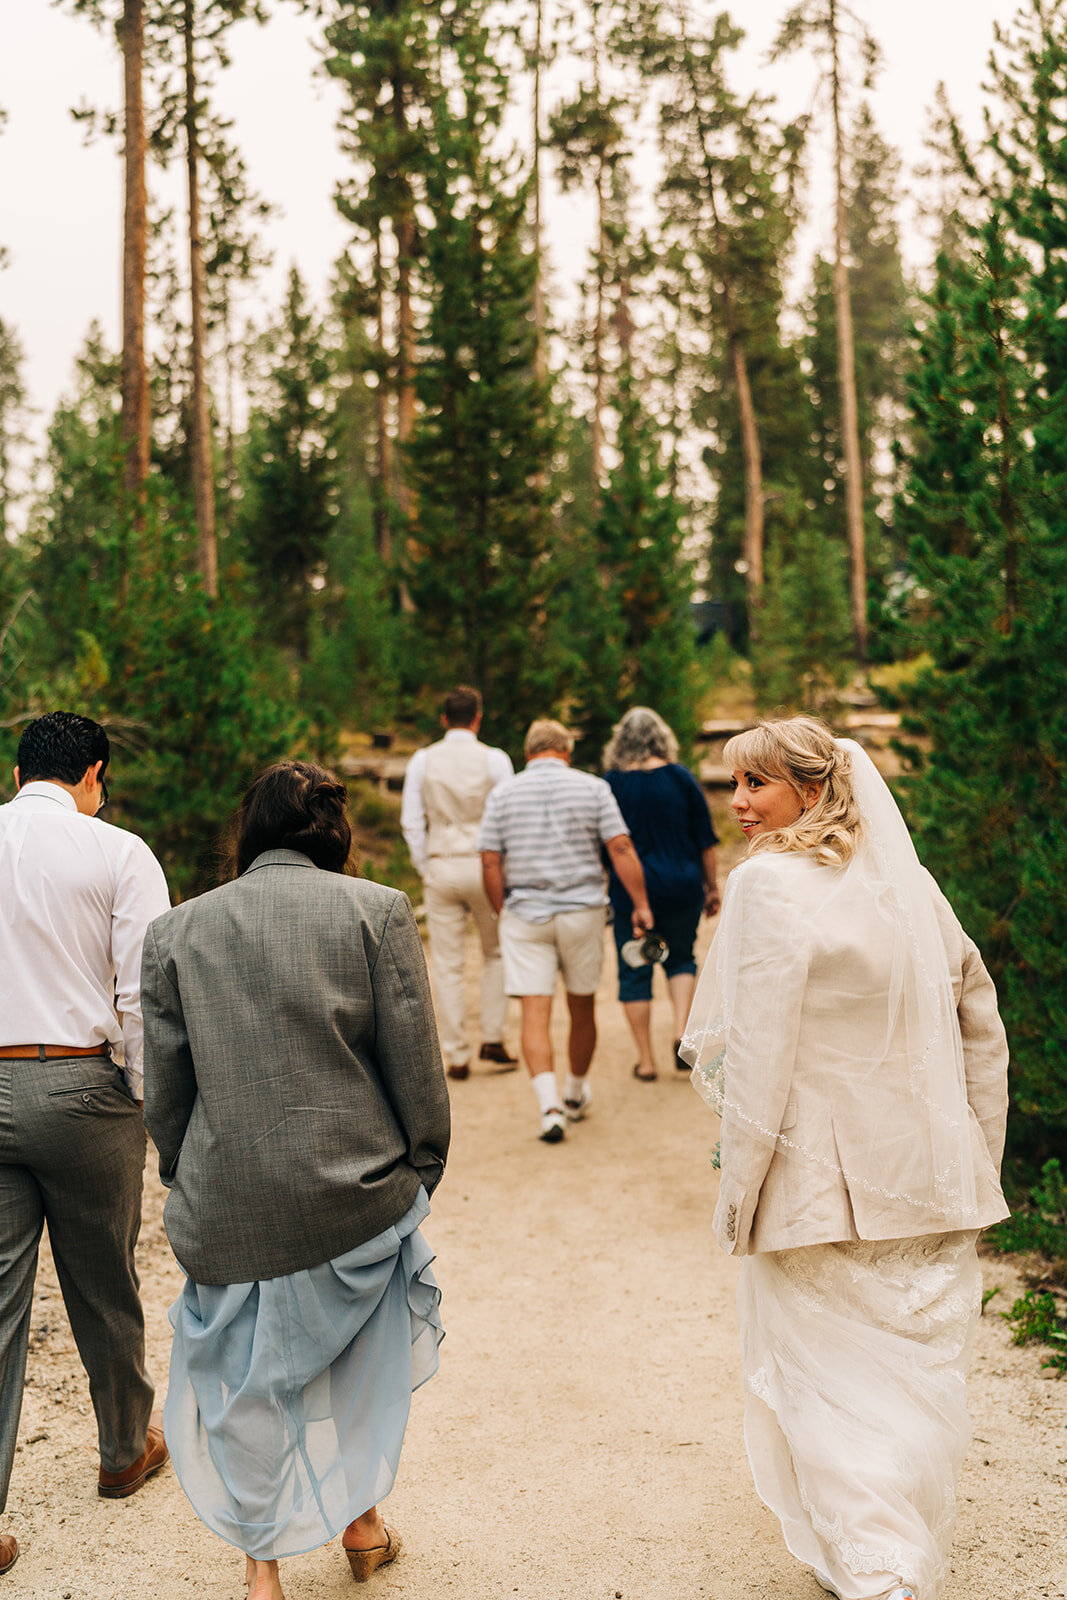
(846, 1031)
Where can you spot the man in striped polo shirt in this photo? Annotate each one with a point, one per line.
(541, 841)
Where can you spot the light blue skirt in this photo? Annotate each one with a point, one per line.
(289, 1397)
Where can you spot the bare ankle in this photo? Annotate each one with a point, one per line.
(366, 1532)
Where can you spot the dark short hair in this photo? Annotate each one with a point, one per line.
(294, 805)
(61, 745)
(462, 706)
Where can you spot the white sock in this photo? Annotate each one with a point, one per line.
(573, 1091)
(544, 1087)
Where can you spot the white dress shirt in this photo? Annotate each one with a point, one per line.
(413, 812)
(76, 896)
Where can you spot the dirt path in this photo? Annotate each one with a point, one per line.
(582, 1440)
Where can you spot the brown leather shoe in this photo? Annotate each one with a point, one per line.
(9, 1552)
(459, 1073)
(117, 1485)
(365, 1562)
(499, 1053)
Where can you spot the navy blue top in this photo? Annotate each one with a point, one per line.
(668, 818)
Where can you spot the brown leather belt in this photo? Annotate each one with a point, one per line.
(50, 1052)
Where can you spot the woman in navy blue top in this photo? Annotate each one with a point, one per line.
(665, 810)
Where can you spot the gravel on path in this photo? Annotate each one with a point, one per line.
(583, 1439)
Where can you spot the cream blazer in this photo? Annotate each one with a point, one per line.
(769, 1200)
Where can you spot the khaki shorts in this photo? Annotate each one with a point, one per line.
(572, 942)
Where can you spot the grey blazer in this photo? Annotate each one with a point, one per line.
(293, 1080)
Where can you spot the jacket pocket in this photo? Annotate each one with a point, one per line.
(789, 1117)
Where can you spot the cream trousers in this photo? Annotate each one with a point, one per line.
(454, 893)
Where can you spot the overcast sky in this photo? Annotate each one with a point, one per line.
(60, 216)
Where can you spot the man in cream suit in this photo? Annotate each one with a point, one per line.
(445, 790)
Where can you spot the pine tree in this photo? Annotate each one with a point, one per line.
(186, 684)
(587, 135)
(989, 800)
(803, 656)
(289, 474)
(12, 420)
(826, 25)
(480, 572)
(723, 202)
(880, 310)
(638, 647)
(383, 53)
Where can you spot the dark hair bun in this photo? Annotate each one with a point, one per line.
(295, 805)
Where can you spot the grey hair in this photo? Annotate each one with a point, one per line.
(639, 736)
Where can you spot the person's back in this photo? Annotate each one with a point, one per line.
(457, 780)
(287, 965)
(551, 820)
(446, 787)
(78, 894)
(296, 1098)
(75, 898)
(541, 844)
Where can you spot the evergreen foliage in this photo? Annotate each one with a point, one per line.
(124, 632)
(803, 656)
(637, 647)
(289, 474)
(479, 568)
(989, 801)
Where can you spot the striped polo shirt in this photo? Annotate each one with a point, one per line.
(549, 822)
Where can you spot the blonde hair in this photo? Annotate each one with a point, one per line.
(801, 751)
(545, 734)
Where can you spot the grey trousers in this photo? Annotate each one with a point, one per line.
(72, 1153)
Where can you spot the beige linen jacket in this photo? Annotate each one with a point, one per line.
(769, 1200)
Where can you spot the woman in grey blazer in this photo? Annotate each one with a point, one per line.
(846, 1031)
(295, 1093)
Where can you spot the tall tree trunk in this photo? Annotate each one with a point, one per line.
(136, 414)
(540, 362)
(405, 346)
(846, 369)
(200, 421)
(383, 464)
(597, 442)
(597, 450)
(751, 449)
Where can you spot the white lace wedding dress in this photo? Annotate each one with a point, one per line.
(855, 1359)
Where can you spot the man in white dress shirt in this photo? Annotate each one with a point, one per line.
(445, 790)
(76, 896)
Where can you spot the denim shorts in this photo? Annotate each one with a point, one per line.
(679, 929)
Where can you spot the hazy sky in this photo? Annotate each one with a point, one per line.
(60, 212)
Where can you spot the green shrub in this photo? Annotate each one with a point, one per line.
(1035, 1318)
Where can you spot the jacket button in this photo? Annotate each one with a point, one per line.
(87, 1098)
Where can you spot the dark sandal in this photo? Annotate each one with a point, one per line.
(644, 1077)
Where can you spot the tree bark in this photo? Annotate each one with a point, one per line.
(405, 347)
(540, 362)
(384, 444)
(136, 419)
(597, 442)
(203, 473)
(846, 370)
(751, 449)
